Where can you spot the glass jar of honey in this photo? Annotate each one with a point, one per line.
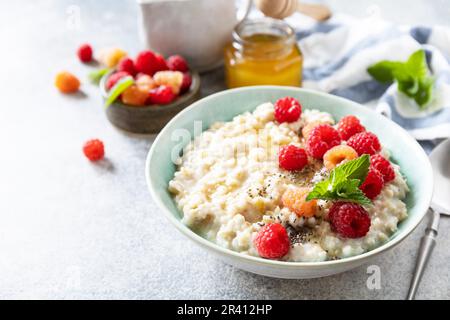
(263, 52)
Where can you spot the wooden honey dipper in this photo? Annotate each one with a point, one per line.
(280, 9)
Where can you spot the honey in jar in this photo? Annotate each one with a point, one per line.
(263, 52)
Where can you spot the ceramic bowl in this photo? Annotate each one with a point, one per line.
(224, 106)
(148, 119)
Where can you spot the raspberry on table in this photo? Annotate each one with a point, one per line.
(66, 82)
(161, 95)
(84, 53)
(94, 150)
(287, 109)
(383, 165)
(127, 65)
(177, 63)
(272, 241)
(365, 143)
(373, 184)
(114, 78)
(337, 155)
(147, 62)
(187, 82)
(321, 139)
(349, 220)
(292, 158)
(349, 126)
(295, 200)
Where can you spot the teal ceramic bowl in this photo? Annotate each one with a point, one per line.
(223, 106)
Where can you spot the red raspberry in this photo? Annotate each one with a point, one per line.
(349, 220)
(365, 143)
(287, 109)
(84, 53)
(378, 162)
(161, 64)
(161, 95)
(349, 126)
(114, 78)
(146, 62)
(126, 64)
(187, 81)
(272, 241)
(373, 184)
(321, 139)
(177, 63)
(94, 150)
(292, 158)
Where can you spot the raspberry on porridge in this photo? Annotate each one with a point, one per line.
(282, 183)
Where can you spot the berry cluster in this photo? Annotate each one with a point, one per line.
(157, 80)
(334, 145)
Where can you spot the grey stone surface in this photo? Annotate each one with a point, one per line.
(72, 229)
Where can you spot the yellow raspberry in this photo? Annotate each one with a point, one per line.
(336, 155)
(172, 79)
(295, 200)
(134, 96)
(146, 83)
(67, 82)
(110, 57)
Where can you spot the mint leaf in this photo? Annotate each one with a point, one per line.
(343, 183)
(355, 169)
(321, 191)
(383, 71)
(417, 64)
(96, 75)
(412, 77)
(117, 90)
(425, 94)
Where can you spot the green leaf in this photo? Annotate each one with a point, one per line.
(412, 77)
(96, 75)
(357, 196)
(417, 64)
(117, 90)
(425, 94)
(343, 183)
(355, 169)
(320, 191)
(383, 71)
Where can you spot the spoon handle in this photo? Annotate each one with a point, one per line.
(319, 12)
(427, 245)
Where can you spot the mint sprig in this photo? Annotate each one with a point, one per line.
(344, 182)
(413, 77)
(117, 90)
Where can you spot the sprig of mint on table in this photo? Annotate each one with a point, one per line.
(413, 77)
(344, 182)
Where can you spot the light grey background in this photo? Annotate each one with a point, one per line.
(72, 229)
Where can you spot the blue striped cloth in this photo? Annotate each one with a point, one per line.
(338, 52)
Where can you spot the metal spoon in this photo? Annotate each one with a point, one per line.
(440, 205)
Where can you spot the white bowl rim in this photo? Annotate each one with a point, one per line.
(279, 263)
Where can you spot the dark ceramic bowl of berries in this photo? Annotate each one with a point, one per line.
(142, 95)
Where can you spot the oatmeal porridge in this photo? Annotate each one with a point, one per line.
(278, 183)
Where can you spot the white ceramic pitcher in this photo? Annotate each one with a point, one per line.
(196, 29)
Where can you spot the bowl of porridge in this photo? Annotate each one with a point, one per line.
(288, 182)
